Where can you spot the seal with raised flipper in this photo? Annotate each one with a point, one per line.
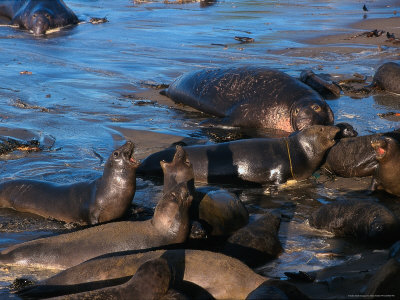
(38, 16)
(256, 97)
(169, 225)
(258, 160)
(92, 202)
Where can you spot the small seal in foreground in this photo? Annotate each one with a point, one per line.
(258, 160)
(256, 97)
(101, 200)
(38, 16)
(169, 225)
(387, 174)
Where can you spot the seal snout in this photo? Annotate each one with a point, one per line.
(128, 153)
(41, 22)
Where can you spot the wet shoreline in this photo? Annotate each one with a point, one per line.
(92, 108)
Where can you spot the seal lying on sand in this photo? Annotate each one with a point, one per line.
(169, 225)
(221, 276)
(101, 200)
(38, 16)
(387, 174)
(252, 97)
(260, 160)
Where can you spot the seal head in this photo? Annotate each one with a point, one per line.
(305, 113)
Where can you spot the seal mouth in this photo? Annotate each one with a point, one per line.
(128, 151)
(379, 146)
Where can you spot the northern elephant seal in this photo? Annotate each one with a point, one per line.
(223, 277)
(387, 77)
(259, 160)
(256, 97)
(101, 200)
(362, 220)
(169, 225)
(387, 174)
(38, 16)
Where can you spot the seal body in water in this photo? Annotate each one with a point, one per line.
(387, 174)
(101, 200)
(38, 16)
(259, 160)
(252, 97)
(169, 225)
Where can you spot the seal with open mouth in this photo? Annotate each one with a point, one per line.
(101, 200)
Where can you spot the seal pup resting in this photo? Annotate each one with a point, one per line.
(223, 277)
(359, 219)
(169, 225)
(101, 200)
(259, 160)
(387, 174)
(255, 97)
(38, 16)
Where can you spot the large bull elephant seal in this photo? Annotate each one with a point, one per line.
(252, 97)
(92, 202)
(169, 225)
(259, 160)
(38, 16)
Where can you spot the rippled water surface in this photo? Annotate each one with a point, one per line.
(80, 98)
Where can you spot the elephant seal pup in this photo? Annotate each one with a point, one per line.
(259, 160)
(363, 220)
(169, 225)
(387, 78)
(38, 16)
(256, 97)
(221, 276)
(387, 174)
(101, 200)
(256, 243)
(354, 156)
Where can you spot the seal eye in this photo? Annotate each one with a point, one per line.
(47, 16)
(34, 15)
(296, 111)
(316, 108)
(116, 154)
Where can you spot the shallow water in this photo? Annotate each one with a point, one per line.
(81, 93)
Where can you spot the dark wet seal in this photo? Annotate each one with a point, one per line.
(362, 220)
(257, 242)
(98, 20)
(38, 16)
(244, 39)
(301, 276)
(252, 97)
(87, 202)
